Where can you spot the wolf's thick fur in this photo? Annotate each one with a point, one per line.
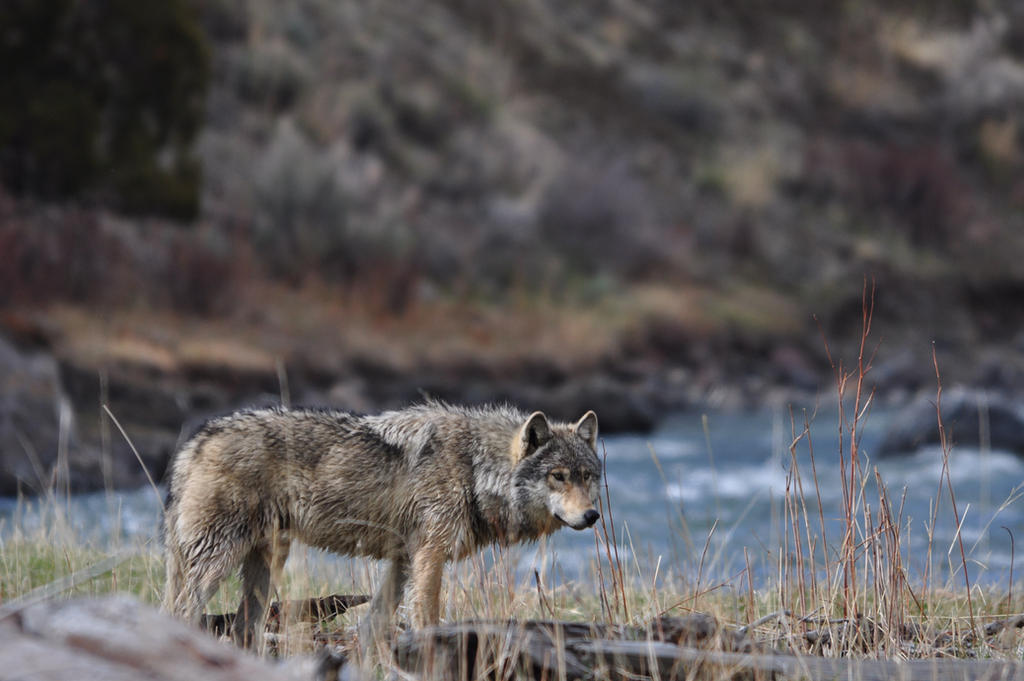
(418, 487)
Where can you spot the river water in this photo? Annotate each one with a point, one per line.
(705, 495)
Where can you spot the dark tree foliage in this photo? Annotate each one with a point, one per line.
(102, 98)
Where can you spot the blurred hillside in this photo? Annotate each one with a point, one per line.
(634, 206)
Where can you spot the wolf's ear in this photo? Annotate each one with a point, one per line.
(586, 428)
(534, 434)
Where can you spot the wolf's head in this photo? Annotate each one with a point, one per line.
(557, 471)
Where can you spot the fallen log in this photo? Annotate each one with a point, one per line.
(673, 662)
(553, 650)
(312, 610)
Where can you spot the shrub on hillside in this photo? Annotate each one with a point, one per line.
(59, 255)
(598, 217)
(73, 254)
(302, 213)
(103, 99)
(303, 225)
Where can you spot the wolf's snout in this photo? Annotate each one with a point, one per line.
(590, 517)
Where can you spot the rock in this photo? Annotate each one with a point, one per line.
(54, 434)
(970, 418)
(133, 399)
(349, 394)
(117, 637)
(36, 420)
(903, 372)
(795, 369)
(150, 408)
(621, 406)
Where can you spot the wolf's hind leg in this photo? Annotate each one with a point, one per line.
(250, 620)
(261, 573)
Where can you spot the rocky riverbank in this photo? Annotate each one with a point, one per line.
(61, 422)
(66, 420)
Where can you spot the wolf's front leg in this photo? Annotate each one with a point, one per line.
(375, 623)
(427, 569)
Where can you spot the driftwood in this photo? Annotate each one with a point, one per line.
(994, 628)
(117, 638)
(864, 634)
(552, 650)
(311, 610)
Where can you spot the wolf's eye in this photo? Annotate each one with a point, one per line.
(559, 476)
(586, 476)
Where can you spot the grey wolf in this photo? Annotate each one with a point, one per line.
(418, 487)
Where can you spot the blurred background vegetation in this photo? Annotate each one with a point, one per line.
(103, 99)
(485, 200)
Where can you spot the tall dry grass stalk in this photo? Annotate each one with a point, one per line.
(854, 595)
(851, 594)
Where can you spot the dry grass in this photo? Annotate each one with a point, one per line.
(879, 614)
